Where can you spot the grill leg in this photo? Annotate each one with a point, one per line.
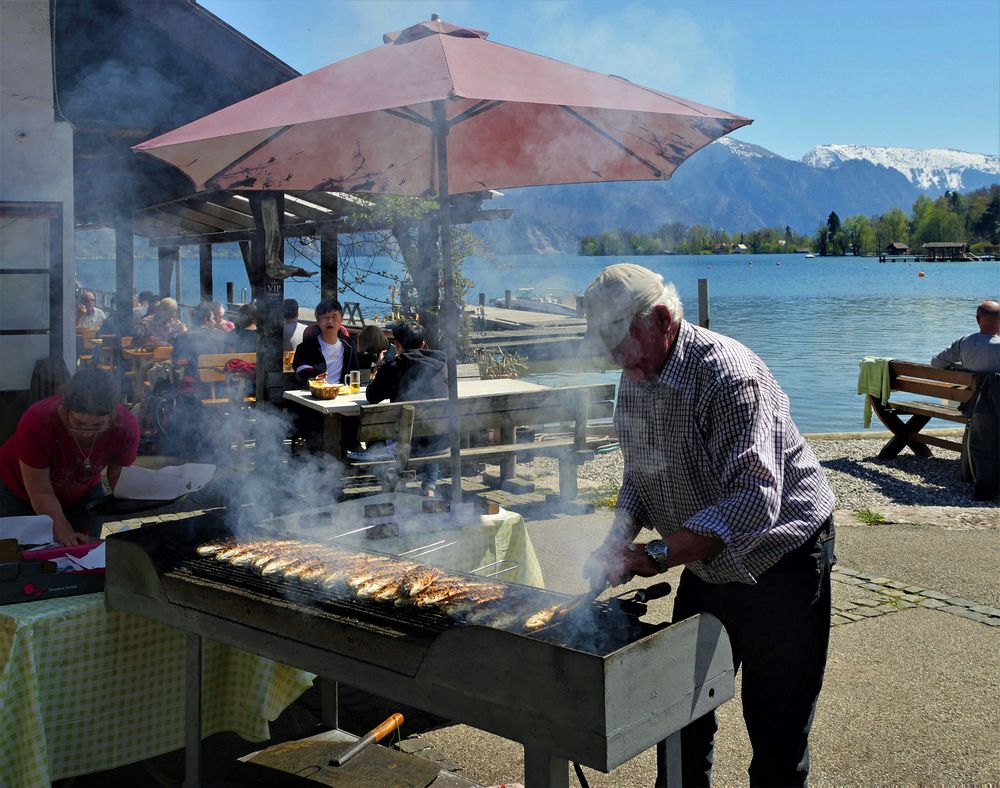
(541, 768)
(668, 762)
(192, 713)
(329, 702)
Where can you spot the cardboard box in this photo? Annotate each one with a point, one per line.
(26, 575)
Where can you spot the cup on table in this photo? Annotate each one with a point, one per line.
(353, 380)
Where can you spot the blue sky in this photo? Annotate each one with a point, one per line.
(912, 73)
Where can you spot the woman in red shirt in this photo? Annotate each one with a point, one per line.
(52, 463)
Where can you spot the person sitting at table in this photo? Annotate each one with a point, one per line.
(202, 338)
(88, 314)
(221, 322)
(327, 350)
(144, 308)
(291, 333)
(415, 373)
(373, 348)
(244, 338)
(52, 463)
(161, 327)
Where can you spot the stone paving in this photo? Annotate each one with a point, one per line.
(891, 596)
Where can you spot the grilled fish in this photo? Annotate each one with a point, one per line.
(242, 553)
(336, 579)
(212, 548)
(542, 618)
(498, 616)
(418, 579)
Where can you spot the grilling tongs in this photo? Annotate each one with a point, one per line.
(640, 595)
(582, 602)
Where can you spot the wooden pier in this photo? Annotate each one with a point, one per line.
(536, 336)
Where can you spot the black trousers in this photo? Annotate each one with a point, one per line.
(779, 630)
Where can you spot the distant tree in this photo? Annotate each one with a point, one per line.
(823, 240)
(937, 223)
(672, 235)
(833, 224)
(788, 236)
(891, 227)
(987, 226)
(859, 234)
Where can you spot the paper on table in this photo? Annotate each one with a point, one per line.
(92, 560)
(29, 529)
(147, 484)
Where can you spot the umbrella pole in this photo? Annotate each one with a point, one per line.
(450, 305)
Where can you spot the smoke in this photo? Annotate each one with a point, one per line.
(267, 480)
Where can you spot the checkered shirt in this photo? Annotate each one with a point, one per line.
(710, 447)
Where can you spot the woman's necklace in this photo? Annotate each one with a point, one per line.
(86, 457)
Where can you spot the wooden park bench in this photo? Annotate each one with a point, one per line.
(572, 408)
(912, 378)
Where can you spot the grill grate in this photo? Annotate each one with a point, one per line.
(309, 595)
(610, 625)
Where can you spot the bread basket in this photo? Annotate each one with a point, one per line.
(320, 389)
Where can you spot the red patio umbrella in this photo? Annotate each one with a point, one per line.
(439, 110)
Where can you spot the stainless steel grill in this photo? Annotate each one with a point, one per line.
(597, 695)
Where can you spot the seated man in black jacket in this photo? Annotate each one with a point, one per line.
(415, 373)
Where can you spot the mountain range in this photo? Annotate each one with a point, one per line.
(737, 187)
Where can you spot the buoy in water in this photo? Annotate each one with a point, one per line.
(920, 273)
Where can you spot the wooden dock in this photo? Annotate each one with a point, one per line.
(537, 336)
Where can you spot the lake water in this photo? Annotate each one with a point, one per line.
(810, 320)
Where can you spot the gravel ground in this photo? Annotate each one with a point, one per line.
(859, 479)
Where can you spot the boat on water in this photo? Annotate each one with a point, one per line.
(810, 255)
(552, 302)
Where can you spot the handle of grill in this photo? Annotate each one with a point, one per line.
(655, 591)
(376, 734)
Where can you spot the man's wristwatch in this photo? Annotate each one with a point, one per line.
(659, 551)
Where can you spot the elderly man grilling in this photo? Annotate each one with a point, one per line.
(714, 463)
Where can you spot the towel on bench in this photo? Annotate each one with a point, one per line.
(874, 379)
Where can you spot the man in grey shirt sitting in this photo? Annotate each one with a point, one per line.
(976, 352)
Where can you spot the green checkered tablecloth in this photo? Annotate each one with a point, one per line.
(84, 688)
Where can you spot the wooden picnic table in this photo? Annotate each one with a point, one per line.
(334, 411)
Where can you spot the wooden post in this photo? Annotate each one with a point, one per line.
(703, 316)
(328, 262)
(168, 258)
(267, 253)
(205, 284)
(177, 280)
(246, 251)
(124, 259)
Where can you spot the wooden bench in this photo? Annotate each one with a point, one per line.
(572, 408)
(912, 378)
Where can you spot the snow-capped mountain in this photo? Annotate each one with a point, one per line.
(744, 150)
(739, 187)
(932, 169)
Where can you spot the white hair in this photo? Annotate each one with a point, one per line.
(671, 300)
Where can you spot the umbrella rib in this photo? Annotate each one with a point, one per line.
(617, 143)
(249, 153)
(408, 114)
(477, 109)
